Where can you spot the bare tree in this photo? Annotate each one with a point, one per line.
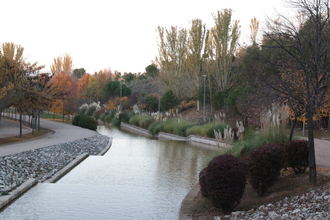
(306, 49)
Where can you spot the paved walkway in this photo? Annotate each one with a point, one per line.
(322, 153)
(62, 133)
(9, 128)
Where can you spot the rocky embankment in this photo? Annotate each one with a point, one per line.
(44, 162)
(313, 205)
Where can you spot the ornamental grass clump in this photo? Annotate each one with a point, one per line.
(265, 164)
(207, 130)
(296, 153)
(223, 181)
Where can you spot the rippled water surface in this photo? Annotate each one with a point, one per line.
(138, 178)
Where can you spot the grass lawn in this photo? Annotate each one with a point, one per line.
(56, 117)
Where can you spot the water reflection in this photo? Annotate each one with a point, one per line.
(138, 178)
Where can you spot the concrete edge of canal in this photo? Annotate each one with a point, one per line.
(16, 193)
(187, 203)
(203, 142)
(67, 168)
(105, 150)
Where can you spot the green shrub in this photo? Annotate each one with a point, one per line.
(223, 181)
(206, 130)
(151, 103)
(123, 117)
(102, 116)
(156, 127)
(296, 154)
(265, 164)
(85, 121)
(115, 122)
(168, 101)
(176, 127)
(143, 121)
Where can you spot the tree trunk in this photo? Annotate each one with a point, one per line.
(293, 125)
(20, 124)
(311, 149)
(39, 121)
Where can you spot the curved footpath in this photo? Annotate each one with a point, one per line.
(9, 128)
(44, 157)
(62, 133)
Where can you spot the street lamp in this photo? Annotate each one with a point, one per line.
(204, 76)
(120, 91)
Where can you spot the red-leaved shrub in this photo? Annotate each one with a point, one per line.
(264, 166)
(223, 181)
(297, 155)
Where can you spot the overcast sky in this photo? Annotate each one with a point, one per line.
(116, 34)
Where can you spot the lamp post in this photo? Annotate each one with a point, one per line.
(120, 91)
(204, 76)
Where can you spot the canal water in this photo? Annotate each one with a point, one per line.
(138, 178)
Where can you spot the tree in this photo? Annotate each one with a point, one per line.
(62, 65)
(11, 72)
(114, 89)
(306, 49)
(254, 28)
(225, 36)
(78, 73)
(129, 77)
(152, 70)
(168, 101)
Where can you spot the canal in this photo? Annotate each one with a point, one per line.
(138, 178)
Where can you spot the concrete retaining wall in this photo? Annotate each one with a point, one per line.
(135, 130)
(67, 168)
(209, 143)
(16, 193)
(172, 137)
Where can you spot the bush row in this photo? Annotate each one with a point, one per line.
(223, 180)
(85, 121)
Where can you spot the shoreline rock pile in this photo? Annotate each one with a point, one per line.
(314, 204)
(44, 162)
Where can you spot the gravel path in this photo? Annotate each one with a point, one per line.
(44, 162)
(313, 205)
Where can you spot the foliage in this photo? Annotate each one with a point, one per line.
(207, 130)
(109, 116)
(168, 101)
(143, 121)
(265, 164)
(151, 103)
(124, 117)
(296, 153)
(128, 77)
(62, 65)
(176, 127)
(115, 122)
(253, 139)
(156, 127)
(152, 70)
(78, 73)
(223, 181)
(227, 97)
(115, 89)
(85, 121)
(225, 39)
